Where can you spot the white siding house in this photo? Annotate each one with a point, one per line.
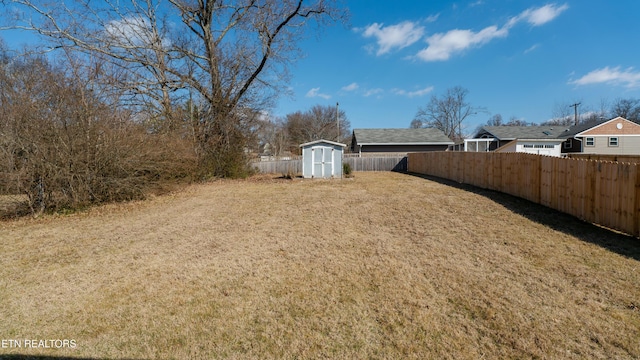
(550, 147)
(542, 140)
(617, 136)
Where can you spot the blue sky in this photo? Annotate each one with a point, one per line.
(516, 58)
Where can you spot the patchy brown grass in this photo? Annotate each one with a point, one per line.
(383, 265)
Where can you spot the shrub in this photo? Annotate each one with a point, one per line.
(66, 148)
(346, 170)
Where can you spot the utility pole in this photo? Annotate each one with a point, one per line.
(575, 109)
(338, 121)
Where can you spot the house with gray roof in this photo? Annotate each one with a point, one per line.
(617, 136)
(612, 136)
(572, 143)
(543, 140)
(398, 141)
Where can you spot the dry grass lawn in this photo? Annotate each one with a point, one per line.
(383, 265)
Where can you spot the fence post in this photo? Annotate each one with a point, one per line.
(636, 204)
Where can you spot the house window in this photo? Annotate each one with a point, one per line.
(528, 145)
(538, 146)
(568, 144)
(590, 141)
(613, 141)
(549, 146)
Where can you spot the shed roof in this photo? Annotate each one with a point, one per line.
(322, 141)
(423, 136)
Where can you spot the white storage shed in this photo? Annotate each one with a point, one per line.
(322, 159)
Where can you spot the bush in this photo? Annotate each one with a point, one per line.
(65, 148)
(346, 170)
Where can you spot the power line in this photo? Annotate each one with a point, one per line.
(338, 121)
(575, 109)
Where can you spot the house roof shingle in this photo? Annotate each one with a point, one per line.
(506, 132)
(522, 132)
(424, 136)
(576, 129)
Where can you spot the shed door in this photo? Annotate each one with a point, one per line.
(322, 162)
(328, 162)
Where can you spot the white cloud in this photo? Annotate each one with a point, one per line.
(394, 36)
(350, 87)
(420, 92)
(443, 45)
(616, 76)
(133, 31)
(412, 94)
(541, 15)
(538, 16)
(533, 47)
(315, 92)
(432, 18)
(375, 91)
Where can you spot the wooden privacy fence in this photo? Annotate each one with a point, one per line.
(279, 166)
(387, 163)
(601, 192)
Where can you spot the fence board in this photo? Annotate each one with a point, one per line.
(597, 192)
(606, 190)
(579, 196)
(626, 195)
(496, 169)
(397, 163)
(636, 204)
(546, 185)
(279, 166)
(602, 192)
(563, 187)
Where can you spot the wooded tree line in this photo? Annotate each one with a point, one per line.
(66, 143)
(118, 93)
(565, 115)
(283, 136)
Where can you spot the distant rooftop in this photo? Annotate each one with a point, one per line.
(423, 136)
(522, 132)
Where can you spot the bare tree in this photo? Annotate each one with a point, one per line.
(627, 108)
(447, 112)
(562, 115)
(594, 114)
(415, 124)
(272, 136)
(319, 122)
(495, 120)
(515, 121)
(226, 56)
